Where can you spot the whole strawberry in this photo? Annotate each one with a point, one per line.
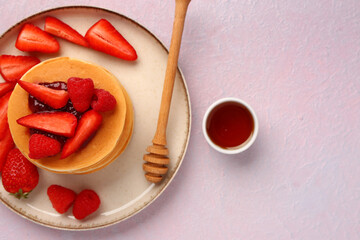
(19, 176)
(86, 202)
(61, 198)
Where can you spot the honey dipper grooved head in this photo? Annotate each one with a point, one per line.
(158, 149)
(153, 178)
(155, 168)
(156, 161)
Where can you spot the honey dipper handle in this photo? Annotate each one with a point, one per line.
(180, 13)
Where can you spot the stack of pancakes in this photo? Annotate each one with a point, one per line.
(111, 138)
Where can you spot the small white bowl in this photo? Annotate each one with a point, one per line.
(244, 145)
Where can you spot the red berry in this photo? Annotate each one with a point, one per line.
(6, 87)
(80, 92)
(61, 198)
(52, 97)
(6, 141)
(86, 202)
(31, 38)
(12, 68)
(6, 144)
(88, 124)
(41, 146)
(60, 29)
(4, 102)
(19, 175)
(103, 101)
(59, 123)
(103, 36)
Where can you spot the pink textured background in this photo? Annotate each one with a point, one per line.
(298, 64)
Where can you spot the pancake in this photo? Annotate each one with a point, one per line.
(110, 134)
(122, 143)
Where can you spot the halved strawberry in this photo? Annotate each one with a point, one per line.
(52, 97)
(88, 124)
(60, 29)
(6, 144)
(13, 67)
(103, 36)
(59, 123)
(33, 39)
(3, 113)
(6, 87)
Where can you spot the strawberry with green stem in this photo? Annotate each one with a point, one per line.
(19, 175)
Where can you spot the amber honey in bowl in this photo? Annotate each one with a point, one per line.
(230, 125)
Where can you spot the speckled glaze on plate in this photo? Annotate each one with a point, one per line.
(121, 185)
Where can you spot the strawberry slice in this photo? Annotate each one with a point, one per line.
(60, 29)
(52, 97)
(33, 39)
(59, 123)
(88, 124)
(13, 67)
(102, 36)
(6, 87)
(6, 144)
(3, 113)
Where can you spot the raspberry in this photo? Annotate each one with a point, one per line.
(41, 146)
(61, 198)
(80, 91)
(103, 101)
(86, 202)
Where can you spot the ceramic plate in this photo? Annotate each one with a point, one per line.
(121, 185)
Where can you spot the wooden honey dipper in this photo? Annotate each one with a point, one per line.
(156, 160)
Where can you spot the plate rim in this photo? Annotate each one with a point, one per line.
(168, 179)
